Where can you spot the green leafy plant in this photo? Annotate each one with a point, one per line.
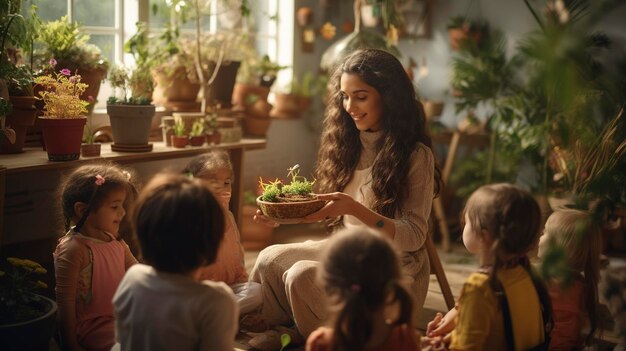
(469, 26)
(299, 186)
(65, 41)
(19, 280)
(179, 128)
(120, 80)
(197, 129)
(140, 82)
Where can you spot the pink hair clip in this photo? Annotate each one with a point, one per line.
(355, 288)
(99, 180)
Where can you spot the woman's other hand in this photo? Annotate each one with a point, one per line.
(442, 325)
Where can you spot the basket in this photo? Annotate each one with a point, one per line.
(289, 210)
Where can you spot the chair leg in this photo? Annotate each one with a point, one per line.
(437, 268)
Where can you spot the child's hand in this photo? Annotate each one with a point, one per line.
(442, 325)
(259, 217)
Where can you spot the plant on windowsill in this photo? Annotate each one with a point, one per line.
(213, 135)
(179, 139)
(288, 203)
(64, 112)
(68, 44)
(27, 320)
(129, 111)
(197, 136)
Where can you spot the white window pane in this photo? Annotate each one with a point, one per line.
(106, 43)
(94, 13)
(46, 10)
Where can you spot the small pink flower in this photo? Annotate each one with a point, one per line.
(73, 79)
(66, 72)
(53, 62)
(99, 180)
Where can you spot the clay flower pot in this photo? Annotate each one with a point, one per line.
(179, 141)
(197, 140)
(90, 150)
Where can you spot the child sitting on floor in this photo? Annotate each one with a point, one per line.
(503, 306)
(91, 259)
(372, 309)
(578, 238)
(165, 305)
(216, 169)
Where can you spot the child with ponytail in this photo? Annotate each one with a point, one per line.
(360, 273)
(575, 235)
(503, 306)
(91, 259)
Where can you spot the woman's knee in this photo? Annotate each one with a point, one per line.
(302, 275)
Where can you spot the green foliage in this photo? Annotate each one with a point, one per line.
(470, 26)
(308, 86)
(19, 280)
(5, 107)
(197, 128)
(122, 82)
(298, 185)
(64, 41)
(179, 128)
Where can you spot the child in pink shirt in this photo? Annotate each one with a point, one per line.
(216, 169)
(90, 260)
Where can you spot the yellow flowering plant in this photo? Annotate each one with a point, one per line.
(19, 280)
(61, 94)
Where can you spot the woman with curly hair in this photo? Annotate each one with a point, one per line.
(376, 169)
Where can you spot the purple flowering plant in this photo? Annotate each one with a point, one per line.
(61, 94)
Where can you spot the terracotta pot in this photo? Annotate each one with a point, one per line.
(260, 109)
(214, 138)
(20, 120)
(456, 35)
(254, 236)
(90, 150)
(197, 140)
(242, 91)
(256, 126)
(285, 106)
(179, 141)
(175, 87)
(92, 77)
(62, 137)
(23, 102)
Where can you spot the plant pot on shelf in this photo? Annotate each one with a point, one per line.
(214, 138)
(221, 90)
(180, 141)
(286, 106)
(456, 35)
(255, 126)
(242, 91)
(131, 126)
(33, 334)
(187, 118)
(175, 87)
(62, 137)
(90, 150)
(22, 117)
(197, 140)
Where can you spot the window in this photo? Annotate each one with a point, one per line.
(111, 22)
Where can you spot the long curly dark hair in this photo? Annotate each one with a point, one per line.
(404, 126)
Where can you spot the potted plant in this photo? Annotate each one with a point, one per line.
(130, 112)
(197, 133)
(64, 112)
(298, 96)
(179, 139)
(460, 29)
(257, 120)
(254, 236)
(213, 136)
(64, 41)
(288, 203)
(27, 320)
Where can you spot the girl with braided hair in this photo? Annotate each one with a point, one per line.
(91, 259)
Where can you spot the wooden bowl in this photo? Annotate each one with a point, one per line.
(289, 210)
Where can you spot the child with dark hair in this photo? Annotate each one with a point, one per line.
(575, 306)
(371, 308)
(503, 306)
(91, 259)
(216, 170)
(164, 304)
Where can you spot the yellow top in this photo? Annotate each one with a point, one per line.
(479, 324)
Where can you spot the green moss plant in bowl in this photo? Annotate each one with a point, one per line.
(288, 203)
